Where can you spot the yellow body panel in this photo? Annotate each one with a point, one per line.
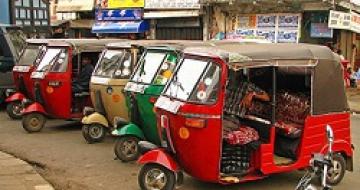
(95, 118)
(114, 102)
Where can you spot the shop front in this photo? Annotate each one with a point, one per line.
(178, 20)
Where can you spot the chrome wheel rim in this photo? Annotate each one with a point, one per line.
(155, 179)
(96, 131)
(129, 147)
(335, 171)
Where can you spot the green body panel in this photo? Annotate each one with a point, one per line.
(147, 117)
(131, 129)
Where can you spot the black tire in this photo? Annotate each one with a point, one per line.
(33, 122)
(169, 177)
(340, 164)
(123, 145)
(94, 133)
(13, 109)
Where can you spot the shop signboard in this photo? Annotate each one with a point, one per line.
(339, 20)
(320, 30)
(113, 4)
(118, 14)
(173, 4)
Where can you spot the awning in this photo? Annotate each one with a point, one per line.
(75, 5)
(124, 27)
(171, 14)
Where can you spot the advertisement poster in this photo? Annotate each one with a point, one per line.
(247, 21)
(111, 4)
(267, 34)
(173, 4)
(320, 30)
(246, 32)
(267, 21)
(287, 36)
(288, 21)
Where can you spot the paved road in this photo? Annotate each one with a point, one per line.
(62, 156)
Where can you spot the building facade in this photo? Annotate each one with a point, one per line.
(5, 12)
(32, 15)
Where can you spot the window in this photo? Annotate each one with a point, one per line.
(22, 13)
(26, 3)
(36, 3)
(18, 3)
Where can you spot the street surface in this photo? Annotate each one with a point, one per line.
(61, 155)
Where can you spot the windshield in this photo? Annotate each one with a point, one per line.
(17, 37)
(115, 63)
(195, 80)
(29, 55)
(53, 60)
(148, 66)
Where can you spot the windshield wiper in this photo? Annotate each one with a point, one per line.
(178, 85)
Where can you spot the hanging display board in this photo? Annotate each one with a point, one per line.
(277, 28)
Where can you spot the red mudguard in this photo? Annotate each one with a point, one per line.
(159, 156)
(15, 97)
(34, 107)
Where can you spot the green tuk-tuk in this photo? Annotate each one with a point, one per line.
(152, 73)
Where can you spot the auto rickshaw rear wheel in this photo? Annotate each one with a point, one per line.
(33, 122)
(94, 133)
(155, 176)
(337, 172)
(13, 109)
(126, 148)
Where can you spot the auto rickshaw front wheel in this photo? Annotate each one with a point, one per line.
(13, 109)
(337, 172)
(94, 133)
(33, 122)
(155, 176)
(126, 148)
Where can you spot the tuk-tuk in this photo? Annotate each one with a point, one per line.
(239, 113)
(54, 82)
(21, 76)
(109, 78)
(148, 80)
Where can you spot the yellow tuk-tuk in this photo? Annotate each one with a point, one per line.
(109, 78)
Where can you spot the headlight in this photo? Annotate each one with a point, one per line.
(88, 111)
(9, 92)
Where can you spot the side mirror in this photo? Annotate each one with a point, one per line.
(329, 134)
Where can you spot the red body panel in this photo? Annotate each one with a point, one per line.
(34, 107)
(25, 77)
(159, 156)
(15, 97)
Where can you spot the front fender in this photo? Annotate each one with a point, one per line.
(159, 156)
(15, 97)
(95, 118)
(129, 129)
(34, 107)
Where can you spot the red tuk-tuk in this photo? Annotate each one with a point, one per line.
(21, 74)
(53, 80)
(236, 113)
